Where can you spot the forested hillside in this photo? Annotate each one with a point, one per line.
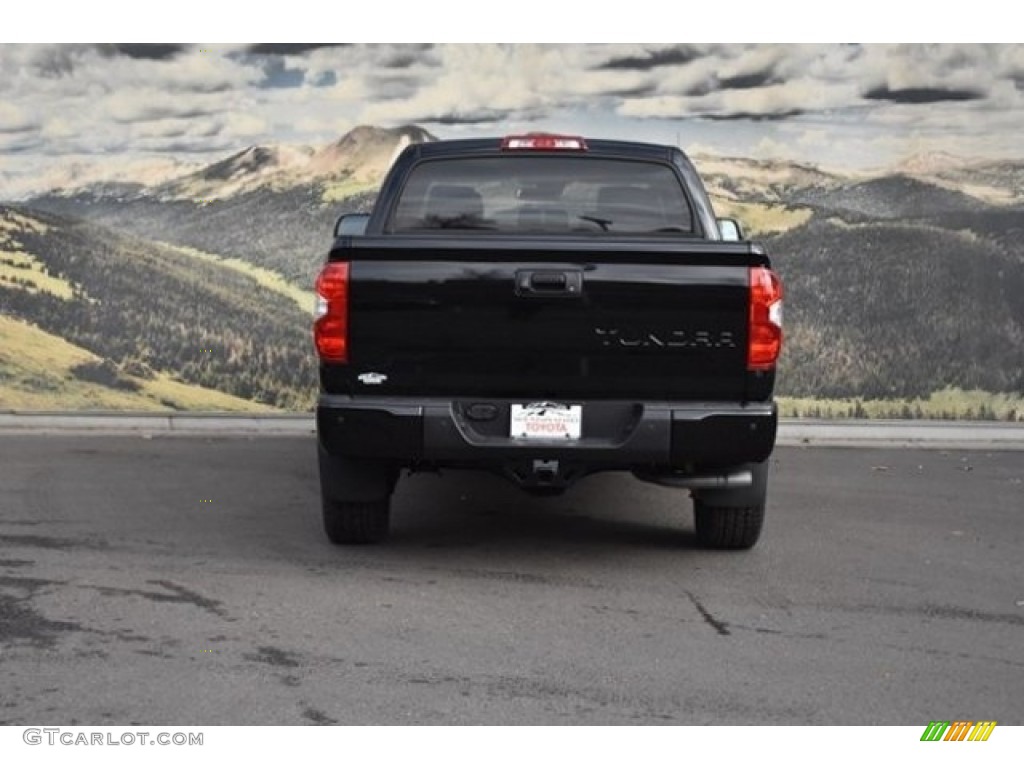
(898, 310)
(285, 230)
(145, 310)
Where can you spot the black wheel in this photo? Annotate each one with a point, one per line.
(728, 527)
(356, 522)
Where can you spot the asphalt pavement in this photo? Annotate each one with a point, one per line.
(185, 580)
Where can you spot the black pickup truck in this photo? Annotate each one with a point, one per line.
(546, 307)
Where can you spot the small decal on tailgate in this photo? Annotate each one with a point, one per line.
(372, 377)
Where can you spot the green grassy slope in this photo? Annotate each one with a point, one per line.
(155, 312)
(43, 372)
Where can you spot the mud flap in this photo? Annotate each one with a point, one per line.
(346, 480)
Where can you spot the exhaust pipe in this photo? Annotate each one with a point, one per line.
(741, 479)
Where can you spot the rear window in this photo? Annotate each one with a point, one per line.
(543, 194)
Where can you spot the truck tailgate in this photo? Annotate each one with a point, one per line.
(654, 319)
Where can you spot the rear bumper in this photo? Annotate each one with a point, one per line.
(616, 434)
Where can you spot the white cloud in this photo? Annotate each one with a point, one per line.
(930, 66)
(244, 124)
(15, 119)
(752, 61)
(770, 148)
(813, 138)
(478, 79)
(655, 106)
(56, 128)
(58, 101)
(141, 104)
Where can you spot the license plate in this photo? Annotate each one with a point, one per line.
(546, 421)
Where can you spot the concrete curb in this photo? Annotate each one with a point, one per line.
(954, 435)
(210, 424)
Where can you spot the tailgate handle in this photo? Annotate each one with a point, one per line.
(549, 282)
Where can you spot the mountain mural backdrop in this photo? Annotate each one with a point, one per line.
(193, 291)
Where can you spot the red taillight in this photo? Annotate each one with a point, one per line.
(765, 338)
(544, 141)
(330, 328)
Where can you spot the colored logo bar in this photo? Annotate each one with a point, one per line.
(958, 730)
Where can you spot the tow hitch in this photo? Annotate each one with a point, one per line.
(543, 476)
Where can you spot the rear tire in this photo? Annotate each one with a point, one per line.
(356, 498)
(732, 518)
(728, 527)
(356, 522)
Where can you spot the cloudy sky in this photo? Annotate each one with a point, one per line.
(837, 105)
